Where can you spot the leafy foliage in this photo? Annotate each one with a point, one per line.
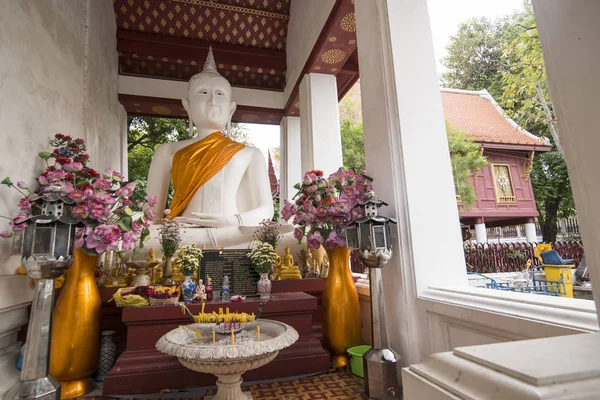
(466, 159)
(353, 145)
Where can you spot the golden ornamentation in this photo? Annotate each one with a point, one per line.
(297, 104)
(528, 165)
(75, 343)
(161, 110)
(341, 312)
(332, 39)
(333, 56)
(351, 41)
(317, 68)
(228, 7)
(503, 183)
(333, 69)
(348, 23)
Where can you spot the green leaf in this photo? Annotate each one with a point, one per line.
(125, 224)
(7, 181)
(45, 155)
(136, 251)
(122, 254)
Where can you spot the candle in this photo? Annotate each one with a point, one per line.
(232, 338)
(227, 310)
(258, 332)
(214, 337)
(220, 310)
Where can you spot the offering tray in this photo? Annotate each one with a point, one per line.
(193, 345)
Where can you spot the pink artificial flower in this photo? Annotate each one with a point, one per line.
(313, 188)
(57, 166)
(13, 223)
(88, 192)
(68, 188)
(43, 180)
(21, 185)
(149, 214)
(331, 243)
(317, 198)
(129, 240)
(108, 173)
(136, 226)
(321, 211)
(298, 234)
(307, 179)
(80, 211)
(288, 210)
(140, 204)
(25, 204)
(73, 166)
(6, 234)
(341, 241)
(102, 184)
(127, 202)
(315, 240)
(100, 213)
(78, 195)
(167, 211)
(102, 238)
(337, 220)
(152, 201)
(57, 175)
(104, 198)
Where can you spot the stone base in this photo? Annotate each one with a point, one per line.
(247, 395)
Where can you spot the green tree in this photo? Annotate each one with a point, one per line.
(466, 159)
(353, 145)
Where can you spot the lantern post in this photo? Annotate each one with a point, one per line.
(46, 245)
(371, 238)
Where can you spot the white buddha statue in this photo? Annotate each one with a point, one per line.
(222, 188)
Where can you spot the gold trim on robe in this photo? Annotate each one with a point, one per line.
(195, 164)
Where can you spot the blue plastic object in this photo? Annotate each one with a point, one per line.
(551, 257)
(20, 363)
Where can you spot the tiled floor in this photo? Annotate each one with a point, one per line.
(333, 386)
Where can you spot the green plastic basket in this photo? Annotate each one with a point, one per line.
(356, 360)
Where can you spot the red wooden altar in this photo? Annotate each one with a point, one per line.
(142, 369)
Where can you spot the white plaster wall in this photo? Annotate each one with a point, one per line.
(58, 73)
(307, 18)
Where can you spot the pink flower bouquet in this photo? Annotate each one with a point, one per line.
(101, 201)
(324, 207)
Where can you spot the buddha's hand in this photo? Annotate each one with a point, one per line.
(211, 220)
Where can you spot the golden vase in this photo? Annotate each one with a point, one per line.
(341, 310)
(75, 346)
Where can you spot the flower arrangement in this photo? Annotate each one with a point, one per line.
(169, 235)
(268, 232)
(324, 207)
(101, 201)
(263, 257)
(189, 258)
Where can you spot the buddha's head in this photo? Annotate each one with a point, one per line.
(208, 103)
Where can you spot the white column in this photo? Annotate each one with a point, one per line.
(290, 169)
(405, 136)
(530, 233)
(570, 36)
(320, 124)
(480, 233)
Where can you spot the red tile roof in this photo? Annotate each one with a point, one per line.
(474, 112)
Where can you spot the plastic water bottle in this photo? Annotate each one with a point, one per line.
(225, 289)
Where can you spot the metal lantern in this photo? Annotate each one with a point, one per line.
(371, 235)
(46, 245)
(371, 238)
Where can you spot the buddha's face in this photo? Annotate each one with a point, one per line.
(209, 102)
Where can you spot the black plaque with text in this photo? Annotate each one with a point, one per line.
(235, 264)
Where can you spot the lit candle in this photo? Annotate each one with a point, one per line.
(232, 338)
(258, 332)
(214, 337)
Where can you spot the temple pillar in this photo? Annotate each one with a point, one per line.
(290, 171)
(480, 231)
(320, 124)
(530, 232)
(405, 136)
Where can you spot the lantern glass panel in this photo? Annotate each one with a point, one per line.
(17, 244)
(379, 236)
(352, 237)
(366, 236)
(43, 240)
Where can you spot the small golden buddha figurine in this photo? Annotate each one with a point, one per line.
(277, 268)
(157, 272)
(325, 267)
(288, 268)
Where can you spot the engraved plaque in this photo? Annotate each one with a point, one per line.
(236, 265)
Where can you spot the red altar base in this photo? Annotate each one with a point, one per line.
(143, 369)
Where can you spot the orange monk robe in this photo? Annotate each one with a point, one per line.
(195, 164)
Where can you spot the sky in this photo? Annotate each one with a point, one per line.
(445, 17)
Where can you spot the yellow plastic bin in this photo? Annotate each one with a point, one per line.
(553, 273)
(356, 360)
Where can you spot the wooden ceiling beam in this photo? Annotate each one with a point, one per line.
(158, 46)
